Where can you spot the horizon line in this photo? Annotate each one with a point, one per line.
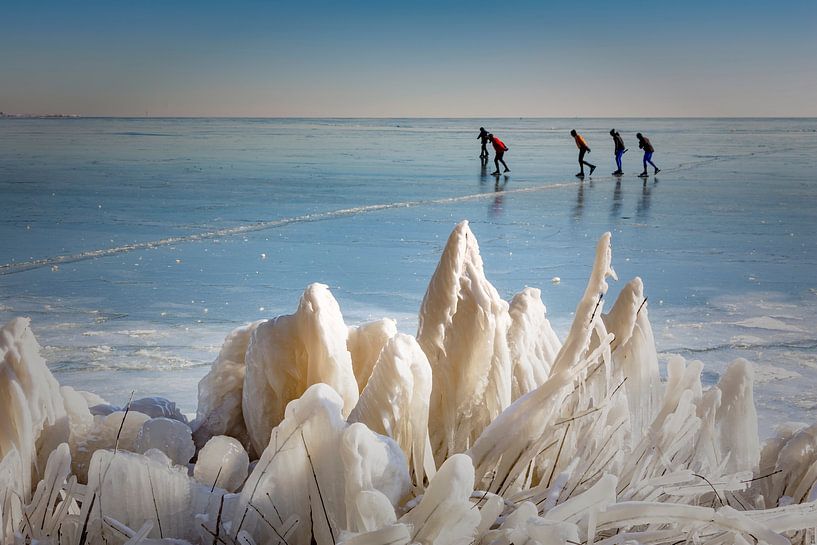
(61, 116)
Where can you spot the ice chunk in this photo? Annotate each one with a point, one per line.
(154, 491)
(374, 467)
(288, 354)
(33, 419)
(116, 431)
(532, 342)
(463, 328)
(395, 403)
(446, 514)
(220, 391)
(223, 463)
(634, 355)
(304, 471)
(158, 407)
(365, 343)
(169, 436)
(737, 418)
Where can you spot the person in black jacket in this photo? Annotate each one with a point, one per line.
(618, 142)
(644, 143)
(483, 137)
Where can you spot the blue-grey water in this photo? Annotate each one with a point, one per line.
(135, 245)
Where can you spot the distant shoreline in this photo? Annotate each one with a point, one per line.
(39, 116)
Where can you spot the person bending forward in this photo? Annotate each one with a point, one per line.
(644, 143)
(499, 151)
(581, 143)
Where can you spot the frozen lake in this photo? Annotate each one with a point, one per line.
(136, 245)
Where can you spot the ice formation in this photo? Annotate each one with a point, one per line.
(170, 436)
(484, 429)
(222, 463)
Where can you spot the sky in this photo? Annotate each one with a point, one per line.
(387, 58)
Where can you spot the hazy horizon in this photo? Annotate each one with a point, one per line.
(426, 60)
(69, 115)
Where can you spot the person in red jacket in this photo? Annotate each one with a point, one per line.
(499, 150)
(581, 143)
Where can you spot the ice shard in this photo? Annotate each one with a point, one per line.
(463, 328)
(288, 354)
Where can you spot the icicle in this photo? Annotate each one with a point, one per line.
(588, 309)
(156, 491)
(737, 418)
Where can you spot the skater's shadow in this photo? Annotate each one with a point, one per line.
(642, 207)
(483, 171)
(615, 208)
(498, 205)
(578, 209)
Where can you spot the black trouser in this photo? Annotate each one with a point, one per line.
(582, 162)
(498, 159)
(484, 152)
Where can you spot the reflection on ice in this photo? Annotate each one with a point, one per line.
(485, 428)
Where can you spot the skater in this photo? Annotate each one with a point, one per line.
(644, 143)
(619, 150)
(583, 148)
(499, 150)
(483, 137)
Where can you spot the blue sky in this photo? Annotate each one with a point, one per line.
(394, 59)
